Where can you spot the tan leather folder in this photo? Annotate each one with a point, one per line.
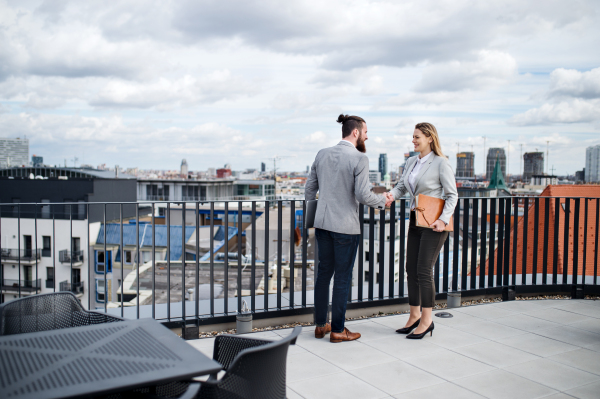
(429, 209)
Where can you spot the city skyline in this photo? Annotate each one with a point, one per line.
(148, 86)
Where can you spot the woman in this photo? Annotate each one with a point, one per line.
(430, 174)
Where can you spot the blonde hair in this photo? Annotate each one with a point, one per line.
(430, 131)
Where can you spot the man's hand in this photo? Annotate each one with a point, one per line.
(438, 226)
(389, 198)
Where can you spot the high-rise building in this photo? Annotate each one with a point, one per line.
(465, 164)
(184, 168)
(383, 164)
(374, 176)
(493, 155)
(14, 152)
(37, 161)
(533, 164)
(263, 167)
(592, 164)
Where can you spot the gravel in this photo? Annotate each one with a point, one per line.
(210, 334)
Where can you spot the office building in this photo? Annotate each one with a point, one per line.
(374, 177)
(495, 154)
(580, 175)
(37, 161)
(592, 164)
(184, 168)
(14, 152)
(383, 164)
(465, 164)
(533, 164)
(263, 167)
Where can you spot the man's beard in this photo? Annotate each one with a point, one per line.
(360, 145)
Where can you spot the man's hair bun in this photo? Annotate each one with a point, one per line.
(342, 118)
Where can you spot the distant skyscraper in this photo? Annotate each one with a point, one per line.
(493, 155)
(37, 161)
(383, 164)
(592, 164)
(533, 164)
(263, 167)
(184, 168)
(307, 169)
(14, 152)
(465, 164)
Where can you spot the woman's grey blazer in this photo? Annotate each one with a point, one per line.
(435, 179)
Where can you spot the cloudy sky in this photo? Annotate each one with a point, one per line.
(147, 83)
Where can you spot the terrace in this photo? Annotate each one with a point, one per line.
(516, 349)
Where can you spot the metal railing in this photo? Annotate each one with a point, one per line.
(21, 285)
(499, 245)
(75, 288)
(25, 255)
(66, 256)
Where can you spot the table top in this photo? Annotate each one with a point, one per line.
(96, 359)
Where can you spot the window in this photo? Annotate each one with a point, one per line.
(101, 262)
(128, 257)
(146, 256)
(99, 290)
(366, 256)
(46, 246)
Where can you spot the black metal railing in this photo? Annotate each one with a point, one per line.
(21, 285)
(25, 255)
(66, 256)
(75, 288)
(499, 245)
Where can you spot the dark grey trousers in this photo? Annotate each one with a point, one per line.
(423, 247)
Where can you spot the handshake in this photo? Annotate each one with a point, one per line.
(389, 197)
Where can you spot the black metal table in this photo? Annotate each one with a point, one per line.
(96, 359)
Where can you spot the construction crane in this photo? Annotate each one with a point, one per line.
(275, 159)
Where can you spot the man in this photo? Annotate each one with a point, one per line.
(341, 176)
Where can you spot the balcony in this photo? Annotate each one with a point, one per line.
(75, 288)
(23, 255)
(66, 256)
(14, 285)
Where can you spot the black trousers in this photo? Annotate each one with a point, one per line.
(423, 247)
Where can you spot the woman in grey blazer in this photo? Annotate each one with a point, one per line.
(430, 174)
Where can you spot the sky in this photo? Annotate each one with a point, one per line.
(149, 83)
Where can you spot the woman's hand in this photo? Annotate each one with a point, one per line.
(438, 226)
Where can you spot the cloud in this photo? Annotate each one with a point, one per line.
(573, 83)
(490, 69)
(572, 111)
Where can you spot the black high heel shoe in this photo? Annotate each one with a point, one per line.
(424, 333)
(407, 330)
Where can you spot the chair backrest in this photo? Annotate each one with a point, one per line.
(41, 313)
(259, 372)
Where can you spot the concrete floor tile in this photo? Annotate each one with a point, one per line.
(312, 344)
(526, 323)
(356, 356)
(291, 394)
(446, 390)
(307, 365)
(458, 318)
(394, 322)
(495, 354)
(552, 374)
(591, 324)
(402, 348)
(538, 345)
(559, 395)
(396, 377)
(485, 311)
(499, 384)
(586, 392)
(582, 359)
(489, 330)
(450, 338)
(202, 342)
(582, 308)
(267, 335)
(336, 386)
(449, 365)
(571, 335)
(558, 316)
(521, 306)
(371, 331)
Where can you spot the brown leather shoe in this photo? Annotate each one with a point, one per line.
(321, 331)
(345, 335)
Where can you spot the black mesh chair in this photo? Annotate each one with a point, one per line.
(47, 312)
(254, 368)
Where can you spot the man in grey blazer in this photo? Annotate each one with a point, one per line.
(341, 176)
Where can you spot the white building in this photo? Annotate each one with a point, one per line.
(57, 261)
(14, 152)
(592, 164)
(374, 176)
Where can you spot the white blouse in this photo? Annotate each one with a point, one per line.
(415, 172)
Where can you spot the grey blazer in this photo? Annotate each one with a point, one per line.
(341, 176)
(435, 179)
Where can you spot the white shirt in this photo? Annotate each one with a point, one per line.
(415, 172)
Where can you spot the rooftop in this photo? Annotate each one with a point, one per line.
(516, 349)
